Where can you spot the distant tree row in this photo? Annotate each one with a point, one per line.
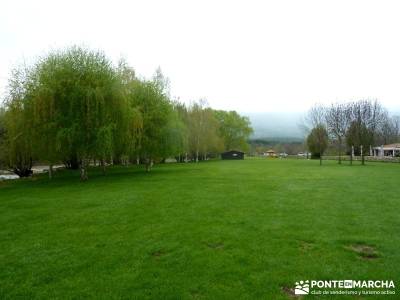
(73, 106)
(353, 127)
(290, 146)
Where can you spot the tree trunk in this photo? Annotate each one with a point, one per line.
(50, 171)
(72, 162)
(351, 155)
(84, 175)
(197, 148)
(137, 160)
(340, 152)
(149, 164)
(103, 166)
(362, 156)
(320, 159)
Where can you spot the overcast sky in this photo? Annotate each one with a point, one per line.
(251, 56)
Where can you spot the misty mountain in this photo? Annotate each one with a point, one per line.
(276, 125)
(281, 126)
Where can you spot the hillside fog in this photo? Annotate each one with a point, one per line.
(276, 125)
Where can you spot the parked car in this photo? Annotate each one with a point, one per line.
(304, 154)
(283, 154)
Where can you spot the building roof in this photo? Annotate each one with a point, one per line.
(270, 151)
(389, 146)
(233, 151)
(396, 145)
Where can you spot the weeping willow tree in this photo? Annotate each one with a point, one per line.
(176, 137)
(234, 129)
(18, 124)
(19, 141)
(151, 99)
(45, 114)
(70, 106)
(130, 126)
(2, 138)
(89, 104)
(67, 102)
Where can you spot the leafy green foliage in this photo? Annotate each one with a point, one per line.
(18, 125)
(156, 110)
(317, 141)
(2, 138)
(357, 135)
(74, 106)
(74, 103)
(234, 129)
(203, 131)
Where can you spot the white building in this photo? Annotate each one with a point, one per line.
(392, 150)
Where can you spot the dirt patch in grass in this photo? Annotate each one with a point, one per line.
(364, 251)
(195, 294)
(306, 246)
(215, 245)
(158, 253)
(290, 292)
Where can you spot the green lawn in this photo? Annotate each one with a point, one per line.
(214, 230)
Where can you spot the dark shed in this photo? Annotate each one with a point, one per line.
(233, 154)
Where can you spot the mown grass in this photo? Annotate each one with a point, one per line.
(216, 230)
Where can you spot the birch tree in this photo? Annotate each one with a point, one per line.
(203, 131)
(338, 120)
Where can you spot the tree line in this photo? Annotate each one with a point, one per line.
(290, 146)
(74, 106)
(353, 128)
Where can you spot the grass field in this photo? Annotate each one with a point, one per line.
(215, 230)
